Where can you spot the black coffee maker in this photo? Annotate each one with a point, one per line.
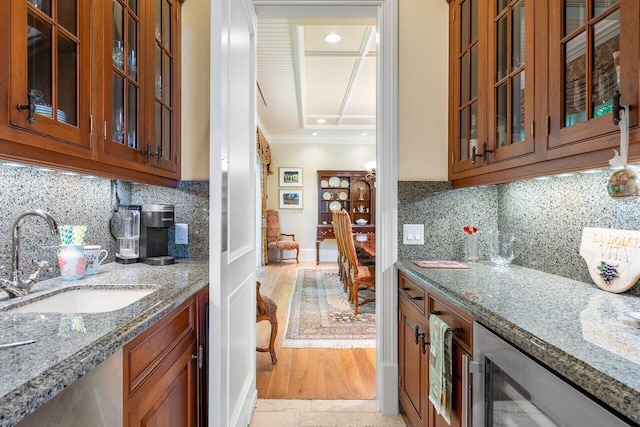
(155, 221)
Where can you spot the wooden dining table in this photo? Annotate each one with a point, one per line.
(366, 242)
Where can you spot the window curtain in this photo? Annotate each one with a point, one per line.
(264, 153)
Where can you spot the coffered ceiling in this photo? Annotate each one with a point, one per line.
(314, 91)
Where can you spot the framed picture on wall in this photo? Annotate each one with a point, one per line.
(290, 177)
(290, 199)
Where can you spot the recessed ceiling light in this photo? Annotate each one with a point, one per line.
(363, 134)
(332, 38)
(321, 121)
(314, 133)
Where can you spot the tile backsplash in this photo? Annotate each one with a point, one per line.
(84, 200)
(548, 215)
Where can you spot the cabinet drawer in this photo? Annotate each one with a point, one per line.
(412, 292)
(146, 351)
(455, 318)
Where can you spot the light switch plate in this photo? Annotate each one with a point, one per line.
(182, 234)
(413, 234)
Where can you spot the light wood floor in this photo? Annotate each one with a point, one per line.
(307, 373)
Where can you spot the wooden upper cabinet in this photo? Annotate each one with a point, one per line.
(510, 68)
(593, 52)
(546, 74)
(467, 43)
(141, 92)
(49, 73)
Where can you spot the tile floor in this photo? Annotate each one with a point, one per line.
(321, 413)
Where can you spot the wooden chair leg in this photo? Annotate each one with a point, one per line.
(297, 255)
(272, 340)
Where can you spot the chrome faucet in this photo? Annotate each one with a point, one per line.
(18, 286)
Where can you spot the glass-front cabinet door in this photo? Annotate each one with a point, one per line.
(593, 53)
(467, 129)
(50, 69)
(510, 67)
(165, 78)
(140, 95)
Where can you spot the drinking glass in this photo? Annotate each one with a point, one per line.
(133, 65)
(118, 125)
(118, 54)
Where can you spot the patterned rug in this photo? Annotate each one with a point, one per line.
(321, 316)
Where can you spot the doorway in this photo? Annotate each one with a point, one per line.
(265, 9)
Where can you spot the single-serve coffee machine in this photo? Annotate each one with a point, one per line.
(155, 221)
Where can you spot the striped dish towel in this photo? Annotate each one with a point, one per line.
(440, 371)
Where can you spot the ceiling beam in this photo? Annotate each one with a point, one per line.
(365, 47)
(298, 63)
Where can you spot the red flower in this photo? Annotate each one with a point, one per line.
(470, 230)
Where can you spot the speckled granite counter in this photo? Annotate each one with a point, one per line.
(31, 375)
(574, 328)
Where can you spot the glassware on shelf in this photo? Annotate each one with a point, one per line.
(118, 54)
(131, 138)
(159, 86)
(132, 65)
(118, 125)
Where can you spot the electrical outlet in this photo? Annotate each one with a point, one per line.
(182, 234)
(413, 234)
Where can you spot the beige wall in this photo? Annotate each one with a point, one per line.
(423, 90)
(195, 90)
(311, 158)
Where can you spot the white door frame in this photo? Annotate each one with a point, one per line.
(386, 189)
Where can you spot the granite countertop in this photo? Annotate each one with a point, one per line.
(32, 374)
(575, 328)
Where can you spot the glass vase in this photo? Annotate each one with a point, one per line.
(472, 247)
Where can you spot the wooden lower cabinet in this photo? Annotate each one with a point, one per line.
(413, 365)
(165, 369)
(169, 402)
(413, 360)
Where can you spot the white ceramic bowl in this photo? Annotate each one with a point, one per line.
(361, 221)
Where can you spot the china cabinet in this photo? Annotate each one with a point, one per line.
(518, 112)
(353, 191)
(92, 87)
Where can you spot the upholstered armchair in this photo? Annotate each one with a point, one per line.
(275, 237)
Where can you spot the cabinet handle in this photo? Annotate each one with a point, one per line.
(199, 356)
(148, 153)
(465, 391)
(617, 107)
(425, 343)
(33, 95)
(418, 334)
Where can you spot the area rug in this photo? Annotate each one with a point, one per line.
(321, 316)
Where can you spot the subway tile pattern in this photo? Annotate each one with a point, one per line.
(575, 328)
(546, 215)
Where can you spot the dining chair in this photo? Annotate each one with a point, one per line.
(358, 276)
(274, 237)
(342, 257)
(266, 309)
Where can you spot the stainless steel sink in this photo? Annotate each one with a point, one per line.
(92, 300)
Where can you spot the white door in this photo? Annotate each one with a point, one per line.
(232, 391)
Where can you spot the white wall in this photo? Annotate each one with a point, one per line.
(423, 90)
(196, 24)
(311, 158)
